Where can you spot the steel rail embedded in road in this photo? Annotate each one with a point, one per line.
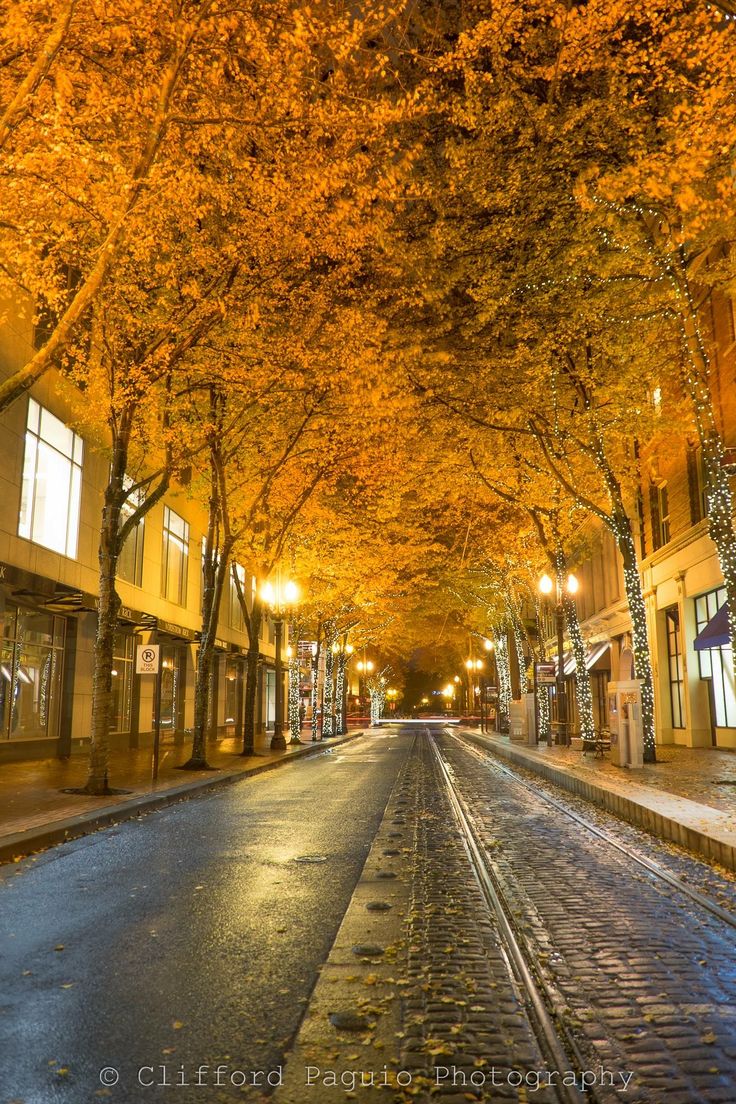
(555, 1041)
(487, 757)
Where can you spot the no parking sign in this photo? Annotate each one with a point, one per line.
(146, 659)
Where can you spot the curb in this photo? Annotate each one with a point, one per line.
(18, 845)
(644, 812)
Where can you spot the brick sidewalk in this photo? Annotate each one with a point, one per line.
(34, 807)
(686, 797)
(700, 774)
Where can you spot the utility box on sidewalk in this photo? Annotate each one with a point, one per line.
(517, 722)
(624, 723)
(531, 719)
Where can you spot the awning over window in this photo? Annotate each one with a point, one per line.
(715, 633)
(595, 653)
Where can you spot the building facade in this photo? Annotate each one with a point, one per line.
(695, 696)
(51, 485)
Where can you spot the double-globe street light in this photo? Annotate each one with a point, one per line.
(473, 666)
(546, 586)
(280, 599)
(365, 667)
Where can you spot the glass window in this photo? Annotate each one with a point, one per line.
(664, 514)
(173, 686)
(233, 673)
(716, 664)
(52, 482)
(122, 682)
(130, 560)
(674, 655)
(31, 660)
(175, 561)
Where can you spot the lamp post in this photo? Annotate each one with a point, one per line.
(473, 665)
(485, 710)
(279, 598)
(365, 666)
(546, 586)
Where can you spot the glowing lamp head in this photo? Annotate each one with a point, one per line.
(572, 584)
(488, 645)
(469, 664)
(546, 584)
(349, 649)
(291, 593)
(369, 665)
(268, 594)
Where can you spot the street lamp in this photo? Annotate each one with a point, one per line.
(279, 598)
(365, 666)
(473, 665)
(546, 586)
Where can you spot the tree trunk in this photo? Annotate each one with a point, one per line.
(294, 711)
(504, 679)
(519, 646)
(214, 574)
(107, 619)
(315, 688)
(340, 727)
(639, 632)
(583, 692)
(542, 692)
(328, 720)
(253, 619)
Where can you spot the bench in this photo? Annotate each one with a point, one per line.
(600, 744)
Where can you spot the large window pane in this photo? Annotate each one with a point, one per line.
(52, 483)
(175, 558)
(716, 664)
(122, 682)
(30, 674)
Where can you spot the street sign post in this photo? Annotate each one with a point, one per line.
(148, 662)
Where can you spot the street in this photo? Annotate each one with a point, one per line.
(189, 937)
(536, 954)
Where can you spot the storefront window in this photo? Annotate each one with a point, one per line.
(675, 666)
(52, 482)
(173, 685)
(232, 670)
(31, 660)
(717, 663)
(122, 682)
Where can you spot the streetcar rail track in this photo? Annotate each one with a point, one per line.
(553, 1036)
(490, 760)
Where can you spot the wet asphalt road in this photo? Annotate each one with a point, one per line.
(190, 937)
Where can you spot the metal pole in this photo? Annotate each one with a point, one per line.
(278, 743)
(157, 726)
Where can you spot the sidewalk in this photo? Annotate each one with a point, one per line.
(36, 813)
(688, 796)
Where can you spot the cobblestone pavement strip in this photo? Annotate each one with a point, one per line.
(443, 1011)
(648, 975)
(713, 880)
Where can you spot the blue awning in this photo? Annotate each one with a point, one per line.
(715, 632)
